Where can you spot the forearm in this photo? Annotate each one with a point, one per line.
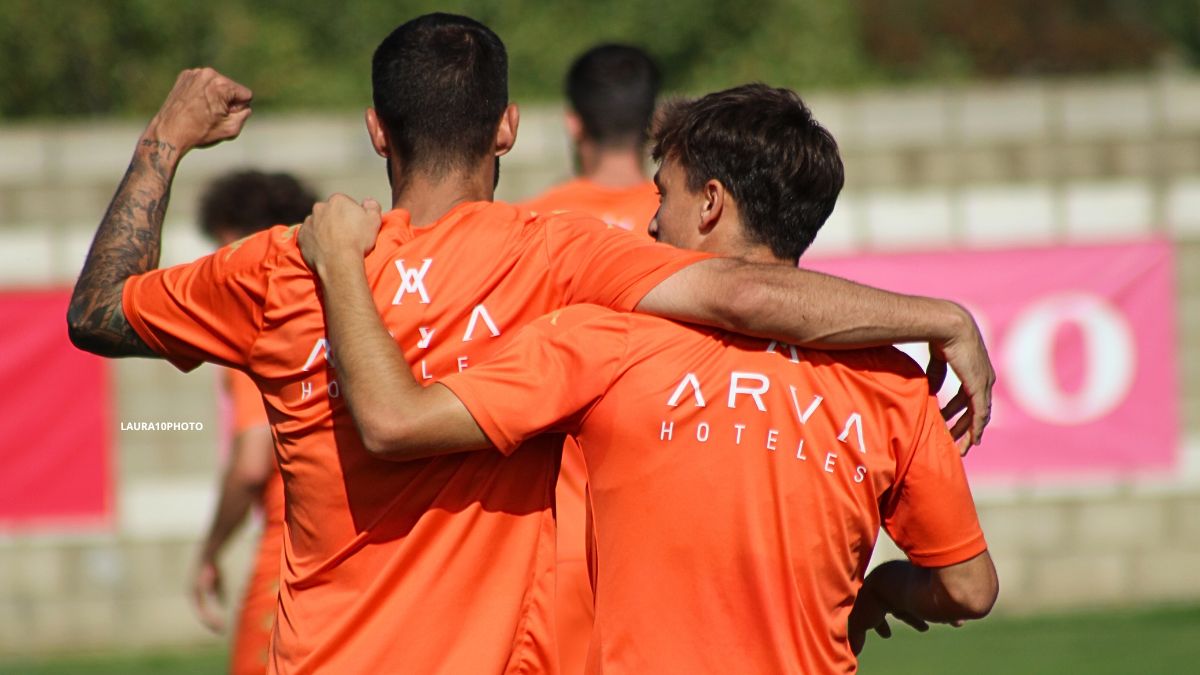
(396, 417)
(843, 314)
(126, 243)
(822, 311)
(800, 307)
(234, 503)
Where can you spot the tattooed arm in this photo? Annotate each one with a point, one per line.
(126, 244)
(203, 108)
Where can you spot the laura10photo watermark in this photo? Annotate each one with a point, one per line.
(162, 426)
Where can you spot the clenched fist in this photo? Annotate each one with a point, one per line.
(203, 109)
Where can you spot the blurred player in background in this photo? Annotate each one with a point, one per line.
(445, 564)
(738, 485)
(235, 206)
(612, 90)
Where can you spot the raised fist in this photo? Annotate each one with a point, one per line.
(203, 109)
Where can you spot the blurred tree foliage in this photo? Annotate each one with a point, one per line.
(84, 57)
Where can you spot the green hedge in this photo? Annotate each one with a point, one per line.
(81, 57)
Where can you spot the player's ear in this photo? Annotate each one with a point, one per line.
(713, 196)
(506, 132)
(379, 139)
(574, 126)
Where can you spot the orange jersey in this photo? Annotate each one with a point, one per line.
(256, 614)
(630, 208)
(440, 565)
(737, 485)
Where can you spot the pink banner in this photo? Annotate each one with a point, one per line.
(54, 415)
(1083, 340)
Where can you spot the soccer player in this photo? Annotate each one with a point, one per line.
(234, 206)
(612, 90)
(444, 564)
(737, 484)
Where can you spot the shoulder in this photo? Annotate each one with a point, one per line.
(268, 248)
(887, 367)
(572, 229)
(557, 198)
(583, 317)
(570, 220)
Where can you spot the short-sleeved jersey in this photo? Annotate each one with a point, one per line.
(248, 413)
(737, 485)
(630, 208)
(260, 596)
(439, 565)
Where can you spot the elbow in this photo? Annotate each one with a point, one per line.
(974, 599)
(741, 301)
(387, 439)
(82, 333)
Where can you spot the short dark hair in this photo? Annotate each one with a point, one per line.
(763, 145)
(440, 87)
(245, 202)
(613, 88)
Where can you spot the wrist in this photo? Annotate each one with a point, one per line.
(339, 261)
(951, 321)
(166, 147)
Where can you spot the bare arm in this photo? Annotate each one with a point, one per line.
(817, 310)
(920, 595)
(765, 300)
(396, 417)
(251, 462)
(203, 108)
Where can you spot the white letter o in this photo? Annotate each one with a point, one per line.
(1109, 359)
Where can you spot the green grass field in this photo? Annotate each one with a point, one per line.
(1142, 642)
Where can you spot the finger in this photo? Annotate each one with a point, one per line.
(226, 87)
(237, 120)
(935, 372)
(913, 621)
(240, 94)
(961, 427)
(964, 445)
(372, 207)
(211, 618)
(202, 594)
(883, 629)
(981, 409)
(955, 405)
(857, 640)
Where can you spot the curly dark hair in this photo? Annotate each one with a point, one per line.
(245, 202)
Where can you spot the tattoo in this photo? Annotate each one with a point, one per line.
(127, 243)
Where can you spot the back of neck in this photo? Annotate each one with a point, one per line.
(613, 168)
(428, 198)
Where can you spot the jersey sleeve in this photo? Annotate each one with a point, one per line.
(207, 310)
(547, 378)
(930, 514)
(606, 265)
(247, 402)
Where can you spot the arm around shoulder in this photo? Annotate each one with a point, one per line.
(816, 310)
